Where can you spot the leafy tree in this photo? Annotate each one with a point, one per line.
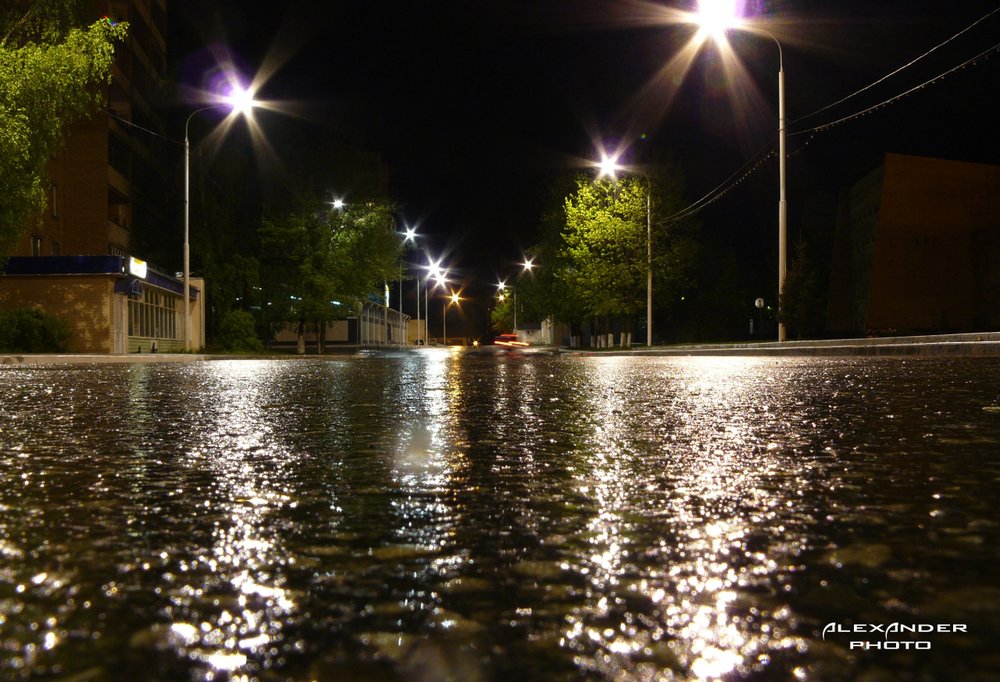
(224, 235)
(592, 254)
(48, 77)
(548, 292)
(605, 242)
(237, 334)
(803, 307)
(311, 259)
(502, 315)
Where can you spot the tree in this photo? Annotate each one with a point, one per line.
(314, 261)
(803, 307)
(224, 235)
(605, 240)
(548, 292)
(502, 315)
(49, 75)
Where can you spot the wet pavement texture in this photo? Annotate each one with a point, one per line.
(440, 515)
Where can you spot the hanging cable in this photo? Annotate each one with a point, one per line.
(767, 152)
(900, 69)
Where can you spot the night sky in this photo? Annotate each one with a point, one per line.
(476, 105)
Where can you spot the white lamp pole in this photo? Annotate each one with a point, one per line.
(514, 294)
(185, 303)
(782, 209)
(715, 18)
(240, 101)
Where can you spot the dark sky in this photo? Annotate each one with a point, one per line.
(475, 104)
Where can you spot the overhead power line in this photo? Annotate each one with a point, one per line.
(767, 151)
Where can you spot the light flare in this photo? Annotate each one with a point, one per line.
(715, 17)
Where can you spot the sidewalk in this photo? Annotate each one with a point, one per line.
(982, 344)
(33, 359)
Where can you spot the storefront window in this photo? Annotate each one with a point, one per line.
(153, 315)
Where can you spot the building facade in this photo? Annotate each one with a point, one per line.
(105, 184)
(917, 250)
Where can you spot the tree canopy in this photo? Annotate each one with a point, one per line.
(314, 263)
(48, 78)
(592, 256)
(604, 246)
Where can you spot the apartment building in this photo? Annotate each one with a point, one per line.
(79, 262)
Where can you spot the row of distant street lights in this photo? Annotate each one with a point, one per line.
(434, 271)
(714, 18)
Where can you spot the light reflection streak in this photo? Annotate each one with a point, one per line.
(247, 563)
(712, 494)
(426, 456)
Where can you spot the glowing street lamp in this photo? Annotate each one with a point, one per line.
(452, 299)
(409, 237)
(440, 277)
(240, 102)
(608, 166)
(526, 266)
(714, 18)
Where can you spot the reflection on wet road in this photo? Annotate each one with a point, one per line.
(435, 515)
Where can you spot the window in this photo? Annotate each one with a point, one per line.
(154, 315)
(36, 245)
(53, 204)
(119, 154)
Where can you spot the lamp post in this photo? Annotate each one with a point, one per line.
(440, 277)
(609, 166)
(239, 101)
(451, 299)
(526, 266)
(409, 235)
(714, 19)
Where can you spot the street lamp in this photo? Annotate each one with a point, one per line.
(609, 166)
(240, 101)
(714, 18)
(451, 299)
(526, 266)
(409, 236)
(440, 277)
(502, 287)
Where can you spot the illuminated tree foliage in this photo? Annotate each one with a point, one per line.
(605, 246)
(49, 71)
(502, 315)
(594, 270)
(315, 265)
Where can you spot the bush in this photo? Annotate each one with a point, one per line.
(27, 330)
(237, 333)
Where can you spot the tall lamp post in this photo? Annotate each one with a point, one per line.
(409, 236)
(609, 166)
(451, 299)
(239, 101)
(714, 18)
(440, 277)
